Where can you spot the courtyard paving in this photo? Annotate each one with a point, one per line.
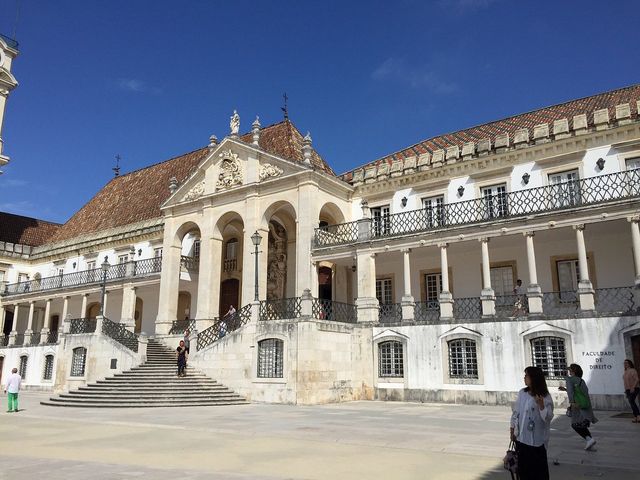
(372, 440)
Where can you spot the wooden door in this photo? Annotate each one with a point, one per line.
(229, 291)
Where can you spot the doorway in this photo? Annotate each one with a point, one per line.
(55, 323)
(138, 316)
(229, 291)
(325, 281)
(184, 306)
(8, 322)
(635, 349)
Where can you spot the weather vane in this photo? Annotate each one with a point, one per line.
(116, 169)
(285, 109)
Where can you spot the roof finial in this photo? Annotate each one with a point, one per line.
(285, 109)
(213, 141)
(173, 185)
(116, 169)
(306, 148)
(255, 130)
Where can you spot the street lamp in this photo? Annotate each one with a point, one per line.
(105, 268)
(256, 239)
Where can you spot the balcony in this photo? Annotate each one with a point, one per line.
(190, 264)
(551, 198)
(138, 269)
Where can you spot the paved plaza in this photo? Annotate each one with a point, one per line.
(372, 440)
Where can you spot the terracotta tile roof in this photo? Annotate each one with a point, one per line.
(25, 230)
(285, 140)
(130, 198)
(528, 120)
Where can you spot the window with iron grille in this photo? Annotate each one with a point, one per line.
(433, 287)
(270, 358)
(565, 188)
(384, 291)
(463, 358)
(23, 366)
(390, 359)
(549, 353)
(78, 361)
(495, 200)
(48, 368)
(433, 211)
(196, 248)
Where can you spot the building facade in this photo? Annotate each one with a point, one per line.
(437, 273)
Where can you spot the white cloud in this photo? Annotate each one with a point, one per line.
(415, 76)
(136, 86)
(12, 182)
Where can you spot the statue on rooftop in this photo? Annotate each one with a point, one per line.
(234, 123)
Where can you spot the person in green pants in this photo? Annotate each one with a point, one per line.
(12, 388)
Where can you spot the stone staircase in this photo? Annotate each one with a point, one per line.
(152, 384)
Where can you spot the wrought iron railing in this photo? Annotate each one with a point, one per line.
(120, 334)
(390, 313)
(427, 312)
(82, 325)
(85, 277)
(190, 263)
(35, 338)
(19, 339)
(282, 309)
(469, 308)
(560, 304)
(4, 340)
(618, 300)
(508, 306)
(52, 337)
(222, 326)
(322, 309)
(573, 194)
(181, 326)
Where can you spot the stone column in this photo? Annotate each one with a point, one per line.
(308, 218)
(407, 303)
(104, 305)
(586, 293)
(534, 293)
(2, 314)
(29, 330)
(65, 311)
(47, 322)
(487, 296)
(169, 279)
(128, 313)
(446, 299)
(14, 332)
(366, 303)
(83, 307)
(209, 274)
(635, 239)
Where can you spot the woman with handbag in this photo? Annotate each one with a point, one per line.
(530, 426)
(631, 388)
(580, 405)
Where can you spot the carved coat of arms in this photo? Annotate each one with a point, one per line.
(196, 191)
(267, 170)
(230, 170)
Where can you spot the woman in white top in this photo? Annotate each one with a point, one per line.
(530, 425)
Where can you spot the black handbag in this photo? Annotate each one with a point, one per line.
(510, 460)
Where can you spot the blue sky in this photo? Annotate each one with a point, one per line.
(152, 79)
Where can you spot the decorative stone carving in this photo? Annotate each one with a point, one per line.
(410, 164)
(234, 123)
(541, 132)
(502, 140)
(423, 161)
(484, 146)
(276, 261)
(453, 152)
(623, 113)
(267, 170)
(230, 170)
(396, 168)
(601, 118)
(194, 192)
(521, 136)
(370, 174)
(438, 157)
(358, 176)
(580, 123)
(561, 128)
(468, 149)
(383, 170)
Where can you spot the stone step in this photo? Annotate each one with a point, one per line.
(150, 396)
(137, 390)
(54, 403)
(169, 383)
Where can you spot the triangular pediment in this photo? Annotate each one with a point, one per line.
(460, 330)
(230, 165)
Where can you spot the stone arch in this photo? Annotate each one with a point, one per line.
(184, 305)
(229, 230)
(93, 310)
(281, 221)
(331, 214)
(183, 230)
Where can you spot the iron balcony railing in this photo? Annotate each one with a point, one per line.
(52, 337)
(190, 263)
(222, 326)
(4, 340)
(82, 325)
(35, 338)
(19, 340)
(119, 333)
(562, 196)
(282, 309)
(322, 309)
(427, 312)
(178, 327)
(140, 268)
(508, 306)
(390, 313)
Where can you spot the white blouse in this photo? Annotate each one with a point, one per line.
(530, 424)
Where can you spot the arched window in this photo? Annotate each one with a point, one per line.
(550, 354)
(78, 361)
(231, 255)
(270, 358)
(23, 366)
(463, 358)
(48, 368)
(390, 359)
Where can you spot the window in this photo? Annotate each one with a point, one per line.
(61, 271)
(633, 175)
(22, 370)
(381, 220)
(23, 277)
(123, 259)
(463, 358)
(433, 289)
(2, 275)
(568, 278)
(550, 355)
(78, 361)
(502, 280)
(632, 163)
(495, 201)
(384, 291)
(390, 359)
(565, 189)
(433, 211)
(270, 358)
(48, 368)
(91, 265)
(196, 248)
(231, 255)
(157, 252)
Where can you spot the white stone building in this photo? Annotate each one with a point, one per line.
(397, 280)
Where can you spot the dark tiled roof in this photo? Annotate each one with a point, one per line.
(528, 120)
(25, 230)
(130, 198)
(285, 140)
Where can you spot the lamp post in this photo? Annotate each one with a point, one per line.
(105, 268)
(256, 239)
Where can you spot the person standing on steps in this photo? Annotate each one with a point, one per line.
(631, 388)
(181, 354)
(187, 344)
(12, 388)
(579, 404)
